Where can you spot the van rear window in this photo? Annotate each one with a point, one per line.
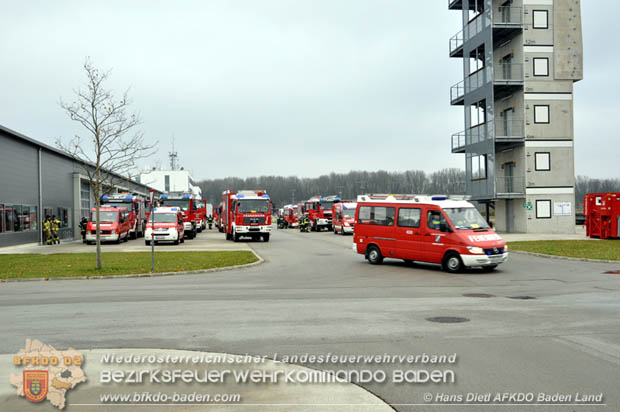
(376, 215)
(409, 217)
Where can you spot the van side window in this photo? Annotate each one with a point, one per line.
(409, 217)
(377, 215)
(435, 219)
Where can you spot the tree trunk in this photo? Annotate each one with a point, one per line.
(97, 206)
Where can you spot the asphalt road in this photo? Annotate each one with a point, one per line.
(314, 295)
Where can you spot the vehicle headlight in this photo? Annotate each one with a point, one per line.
(505, 248)
(347, 224)
(475, 250)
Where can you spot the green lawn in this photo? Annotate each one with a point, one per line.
(83, 264)
(589, 249)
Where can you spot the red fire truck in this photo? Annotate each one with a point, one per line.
(319, 211)
(217, 217)
(185, 202)
(136, 208)
(426, 229)
(200, 214)
(246, 213)
(292, 214)
(343, 217)
(113, 224)
(602, 211)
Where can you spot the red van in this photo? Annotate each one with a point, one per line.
(451, 233)
(166, 226)
(343, 217)
(113, 224)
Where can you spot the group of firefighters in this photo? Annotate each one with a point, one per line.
(51, 226)
(304, 223)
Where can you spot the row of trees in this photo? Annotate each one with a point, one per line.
(291, 189)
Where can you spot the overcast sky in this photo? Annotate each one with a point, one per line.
(258, 87)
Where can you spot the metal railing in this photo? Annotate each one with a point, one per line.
(508, 72)
(457, 91)
(471, 83)
(509, 129)
(456, 41)
(504, 15)
(510, 185)
(475, 134)
(458, 141)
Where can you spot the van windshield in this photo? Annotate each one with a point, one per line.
(327, 205)
(349, 213)
(104, 216)
(254, 206)
(466, 218)
(181, 203)
(165, 217)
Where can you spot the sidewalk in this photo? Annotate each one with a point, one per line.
(580, 234)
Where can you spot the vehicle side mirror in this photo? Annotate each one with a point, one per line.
(445, 228)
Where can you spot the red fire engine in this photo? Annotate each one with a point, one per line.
(602, 211)
(319, 211)
(246, 213)
(185, 202)
(292, 214)
(200, 214)
(136, 208)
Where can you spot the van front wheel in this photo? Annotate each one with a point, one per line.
(374, 255)
(452, 262)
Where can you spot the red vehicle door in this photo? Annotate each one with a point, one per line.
(409, 233)
(433, 221)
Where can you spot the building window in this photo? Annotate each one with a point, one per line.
(541, 66)
(18, 218)
(540, 19)
(409, 217)
(85, 204)
(542, 161)
(64, 215)
(543, 209)
(167, 183)
(541, 114)
(376, 215)
(478, 113)
(479, 167)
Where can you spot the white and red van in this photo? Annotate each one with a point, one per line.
(114, 224)
(451, 233)
(343, 217)
(166, 225)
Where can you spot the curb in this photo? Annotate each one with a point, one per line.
(573, 259)
(144, 275)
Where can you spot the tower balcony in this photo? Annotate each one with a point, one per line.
(506, 77)
(509, 187)
(506, 132)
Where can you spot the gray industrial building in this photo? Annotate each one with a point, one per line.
(38, 180)
(520, 61)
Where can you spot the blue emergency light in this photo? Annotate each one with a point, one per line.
(265, 196)
(187, 196)
(163, 197)
(239, 196)
(439, 198)
(129, 197)
(174, 209)
(105, 197)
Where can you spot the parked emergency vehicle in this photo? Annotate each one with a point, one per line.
(166, 226)
(113, 224)
(319, 211)
(136, 208)
(246, 213)
(343, 217)
(200, 214)
(185, 202)
(426, 229)
(217, 217)
(602, 214)
(292, 215)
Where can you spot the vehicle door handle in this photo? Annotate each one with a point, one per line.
(428, 234)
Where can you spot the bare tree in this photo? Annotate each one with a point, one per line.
(111, 142)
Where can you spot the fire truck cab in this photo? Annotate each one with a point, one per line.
(319, 211)
(246, 213)
(167, 225)
(292, 215)
(113, 224)
(343, 217)
(185, 202)
(428, 229)
(135, 206)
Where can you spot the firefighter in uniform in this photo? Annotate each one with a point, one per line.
(210, 221)
(83, 225)
(47, 230)
(55, 225)
(435, 221)
(304, 224)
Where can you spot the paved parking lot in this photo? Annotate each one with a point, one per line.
(534, 325)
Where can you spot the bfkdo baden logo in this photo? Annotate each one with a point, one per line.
(47, 373)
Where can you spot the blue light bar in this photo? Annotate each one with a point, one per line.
(105, 197)
(239, 196)
(174, 209)
(187, 196)
(265, 196)
(163, 197)
(129, 197)
(439, 198)
(337, 198)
